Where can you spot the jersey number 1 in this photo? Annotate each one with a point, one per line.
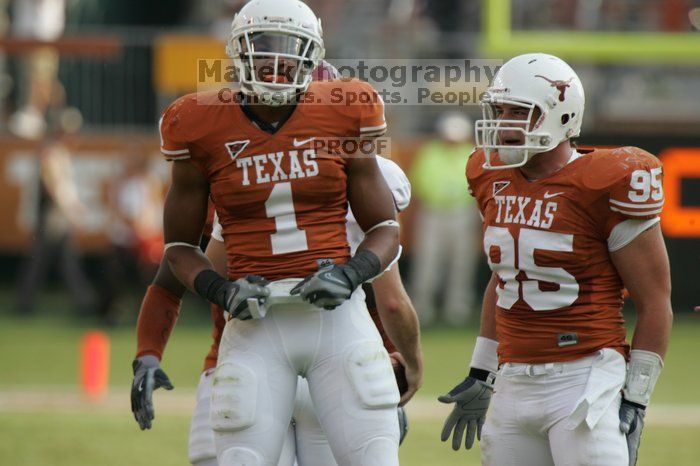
(280, 206)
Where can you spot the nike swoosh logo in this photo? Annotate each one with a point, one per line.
(141, 386)
(548, 195)
(331, 278)
(302, 142)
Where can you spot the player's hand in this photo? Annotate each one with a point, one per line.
(328, 288)
(235, 295)
(409, 379)
(631, 424)
(148, 376)
(403, 423)
(471, 399)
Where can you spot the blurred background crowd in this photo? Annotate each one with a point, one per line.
(83, 82)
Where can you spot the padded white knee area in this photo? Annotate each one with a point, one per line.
(206, 462)
(201, 442)
(233, 398)
(369, 370)
(381, 451)
(201, 449)
(240, 456)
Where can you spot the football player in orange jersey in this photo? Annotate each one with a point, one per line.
(282, 202)
(564, 231)
(161, 306)
(305, 440)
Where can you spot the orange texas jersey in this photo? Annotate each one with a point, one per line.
(559, 295)
(281, 199)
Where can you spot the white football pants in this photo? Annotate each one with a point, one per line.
(563, 414)
(349, 374)
(305, 443)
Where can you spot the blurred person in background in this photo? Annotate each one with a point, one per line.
(42, 20)
(61, 215)
(135, 200)
(446, 225)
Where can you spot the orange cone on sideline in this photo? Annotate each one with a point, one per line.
(94, 364)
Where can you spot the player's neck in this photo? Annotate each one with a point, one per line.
(267, 117)
(547, 163)
(270, 114)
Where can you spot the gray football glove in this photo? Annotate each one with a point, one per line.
(631, 424)
(148, 376)
(236, 294)
(328, 288)
(471, 399)
(403, 423)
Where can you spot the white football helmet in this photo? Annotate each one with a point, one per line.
(534, 80)
(274, 35)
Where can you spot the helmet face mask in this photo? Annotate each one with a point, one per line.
(496, 133)
(275, 46)
(551, 94)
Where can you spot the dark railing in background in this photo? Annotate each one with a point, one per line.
(114, 92)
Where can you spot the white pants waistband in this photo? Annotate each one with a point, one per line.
(533, 370)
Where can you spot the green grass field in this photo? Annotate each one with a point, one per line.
(44, 421)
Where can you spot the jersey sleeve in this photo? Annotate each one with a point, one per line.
(173, 143)
(372, 121)
(638, 193)
(626, 231)
(398, 182)
(475, 177)
(637, 190)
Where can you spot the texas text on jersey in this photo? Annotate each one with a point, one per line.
(546, 312)
(401, 192)
(269, 188)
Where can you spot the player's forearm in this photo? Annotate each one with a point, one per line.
(159, 312)
(401, 325)
(404, 332)
(158, 315)
(653, 328)
(487, 329)
(186, 263)
(398, 317)
(383, 243)
(651, 335)
(167, 280)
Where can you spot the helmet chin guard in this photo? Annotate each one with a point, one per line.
(275, 46)
(532, 81)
